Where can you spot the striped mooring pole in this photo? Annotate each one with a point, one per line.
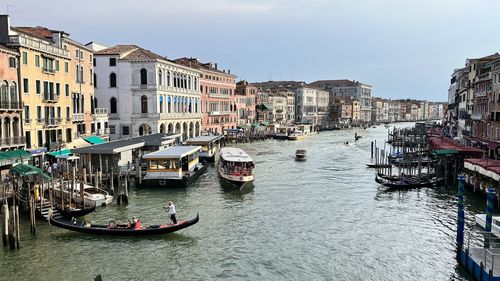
(490, 196)
(461, 214)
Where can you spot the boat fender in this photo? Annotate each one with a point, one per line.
(87, 224)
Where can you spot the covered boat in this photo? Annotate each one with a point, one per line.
(236, 166)
(177, 166)
(121, 230)
(296, 135)
(210, 146)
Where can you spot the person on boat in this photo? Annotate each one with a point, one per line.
(404, 178)
(171, 212)
(137, 224)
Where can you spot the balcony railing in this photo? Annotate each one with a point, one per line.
(12, 141)
(40, 120)
(101, 113)
(27, 120)
(49, 70)
(10, 105)
(78, 117)
(17, 40)
(52, 121)
(50, 97)
(102, 132)
(217, 113)
(178, 115)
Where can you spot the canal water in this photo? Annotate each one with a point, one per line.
(323, 219)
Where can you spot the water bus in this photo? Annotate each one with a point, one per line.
(236, 166)
(210, 146)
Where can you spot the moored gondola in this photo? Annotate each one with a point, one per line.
(122, 230)
(411, 183)
(76, 212)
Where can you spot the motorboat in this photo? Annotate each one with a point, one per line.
(93, 196)
(300, 155)
(210, 146)
(117, 229)
(296, 135)
(236, 166)
(176, 166)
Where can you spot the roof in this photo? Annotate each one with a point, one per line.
(118, 146)
(233, 154)
(203, 139)
(94, 140)
(27, 170)
(337, 83)
(130, 52)
(444, 152)
(8, 50)
(487, 167)
(196, 64)
(13, 156)
(59, 152)
(175, 152)
(77, 143)
(446, 143)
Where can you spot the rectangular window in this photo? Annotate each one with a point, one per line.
(67, 113)
(58, 89)
(81, 55)
(112, 61)
(51, 87)
(66, 67)
(26, 85)
(12, 62)
(125, 130)
(39, 112)
(25, 58)
(67, 90)
(38, 87)
(76, 53)
(58, 112)
(26, 113)
(45, 87)
(57, 65)
(94, 62)
(112, 129)
(37, 60)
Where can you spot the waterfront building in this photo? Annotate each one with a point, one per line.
(263, 108)
(245, 103)
(11, 135)
(311, 106)
(345, 88)
(356, 112)
(45, 79)
(377, 110)
(278, 102)
(146, 93)
(394, 108)
(341, 111)
(218, 100)
(494, 114)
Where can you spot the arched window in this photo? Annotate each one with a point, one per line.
(112, 80)
(13, 92)
(4, 97)
(161, 104)
(112, 106)
(95, 80)
(168, 78)
(144, 104)
(175, 79)
(189, 82)
(160, 78)
(144, 76)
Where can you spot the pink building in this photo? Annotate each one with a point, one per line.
(245, 97)
(218, 101)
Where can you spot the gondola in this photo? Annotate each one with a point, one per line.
(412, 183)
(122, 230)
(378, 165)
(76, 212)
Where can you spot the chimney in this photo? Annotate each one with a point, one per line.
(4, 28)
(215, 66)
(229, 71)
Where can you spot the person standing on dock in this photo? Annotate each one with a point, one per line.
(171, 211)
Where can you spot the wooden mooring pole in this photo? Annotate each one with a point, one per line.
(5, 224)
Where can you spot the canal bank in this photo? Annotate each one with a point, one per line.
(321, 219)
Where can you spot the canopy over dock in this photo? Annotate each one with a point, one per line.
(175, 152)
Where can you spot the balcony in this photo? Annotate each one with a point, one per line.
(476, 116)
(11, 105)
(114, 116)
(218, 113)
(222, 96)
(102, 132)
(50, 97)
(100, 113)
(12, 141)
(78, 117)
(49, 70)
(40, 121)
(18, 40)
(52, 122)
(166, 116)
(27, 121)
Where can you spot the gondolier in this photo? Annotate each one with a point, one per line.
(171, 211)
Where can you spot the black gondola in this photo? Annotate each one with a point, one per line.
(76, 212)
(412, 183)
(376, 166)
(117, 230)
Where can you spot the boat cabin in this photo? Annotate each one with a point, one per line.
(236, 162)
(210, 145)
(173, 162)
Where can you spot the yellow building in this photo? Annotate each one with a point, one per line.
(45, 76)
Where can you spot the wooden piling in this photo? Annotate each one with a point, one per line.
(12, 228)
(17, 226)
(5, 224)
(82, 194)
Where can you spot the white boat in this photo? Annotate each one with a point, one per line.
(236, 166)
(210, 146)
(92, 195)
(300, 155)
(495, 223)
(176, 166)
(296, 135)
(374, 126)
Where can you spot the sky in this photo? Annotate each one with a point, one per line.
(403, 48)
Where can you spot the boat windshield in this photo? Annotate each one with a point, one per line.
(238, 168)
(164, 164)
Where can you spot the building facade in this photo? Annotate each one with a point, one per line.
(245, 103)
(11, 134)
(146, 93)
(218, 100)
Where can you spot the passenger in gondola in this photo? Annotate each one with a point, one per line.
(404, 179)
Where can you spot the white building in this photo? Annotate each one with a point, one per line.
(347, 88)
(146, 93)
(311, 105)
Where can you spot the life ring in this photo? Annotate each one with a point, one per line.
(241, 178)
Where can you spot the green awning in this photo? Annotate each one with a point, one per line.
(27, 170)
(59, 152)
(255, 125)
(94, 140)
(244, 127)
(264, 123)
(444, 152)
(13, 156)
